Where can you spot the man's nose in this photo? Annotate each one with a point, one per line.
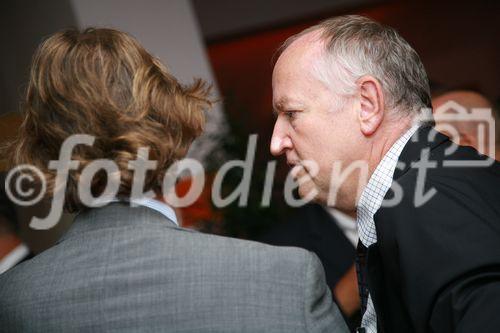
(279, 141)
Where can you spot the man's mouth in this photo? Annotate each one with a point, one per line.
(296, 169)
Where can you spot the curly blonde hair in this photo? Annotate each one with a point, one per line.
(102, 82)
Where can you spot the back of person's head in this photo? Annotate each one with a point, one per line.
(103, 83)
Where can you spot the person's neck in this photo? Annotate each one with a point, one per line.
(8, 242)
(384, 139)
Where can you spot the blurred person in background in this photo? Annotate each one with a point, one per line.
(467, 130)
(128, 266)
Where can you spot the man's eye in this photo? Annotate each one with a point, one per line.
(289, 114)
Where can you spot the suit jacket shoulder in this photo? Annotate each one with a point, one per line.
(128, 269)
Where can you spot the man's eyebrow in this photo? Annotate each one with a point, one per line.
(280, 103)
(279, 106)
(285, 103)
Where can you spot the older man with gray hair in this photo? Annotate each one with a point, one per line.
(354, 120)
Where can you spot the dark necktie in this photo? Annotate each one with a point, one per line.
(361, 252)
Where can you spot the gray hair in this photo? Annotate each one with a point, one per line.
(357, 46)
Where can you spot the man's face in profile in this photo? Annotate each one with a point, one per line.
(314, 126)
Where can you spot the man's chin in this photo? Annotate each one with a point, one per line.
(310, 194)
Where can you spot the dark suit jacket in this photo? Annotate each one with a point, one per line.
(436, 268)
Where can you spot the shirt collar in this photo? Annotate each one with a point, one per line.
(374, 192)
(156, 205)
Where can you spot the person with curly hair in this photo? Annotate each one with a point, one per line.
(125, 264)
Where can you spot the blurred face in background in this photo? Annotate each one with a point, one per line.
(463, 132)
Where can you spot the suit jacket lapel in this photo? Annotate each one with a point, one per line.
(375, 280)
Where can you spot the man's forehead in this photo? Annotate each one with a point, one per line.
(293, 74)
(309, 40)
(306, 47)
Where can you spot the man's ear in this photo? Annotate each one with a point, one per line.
(371, 100)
